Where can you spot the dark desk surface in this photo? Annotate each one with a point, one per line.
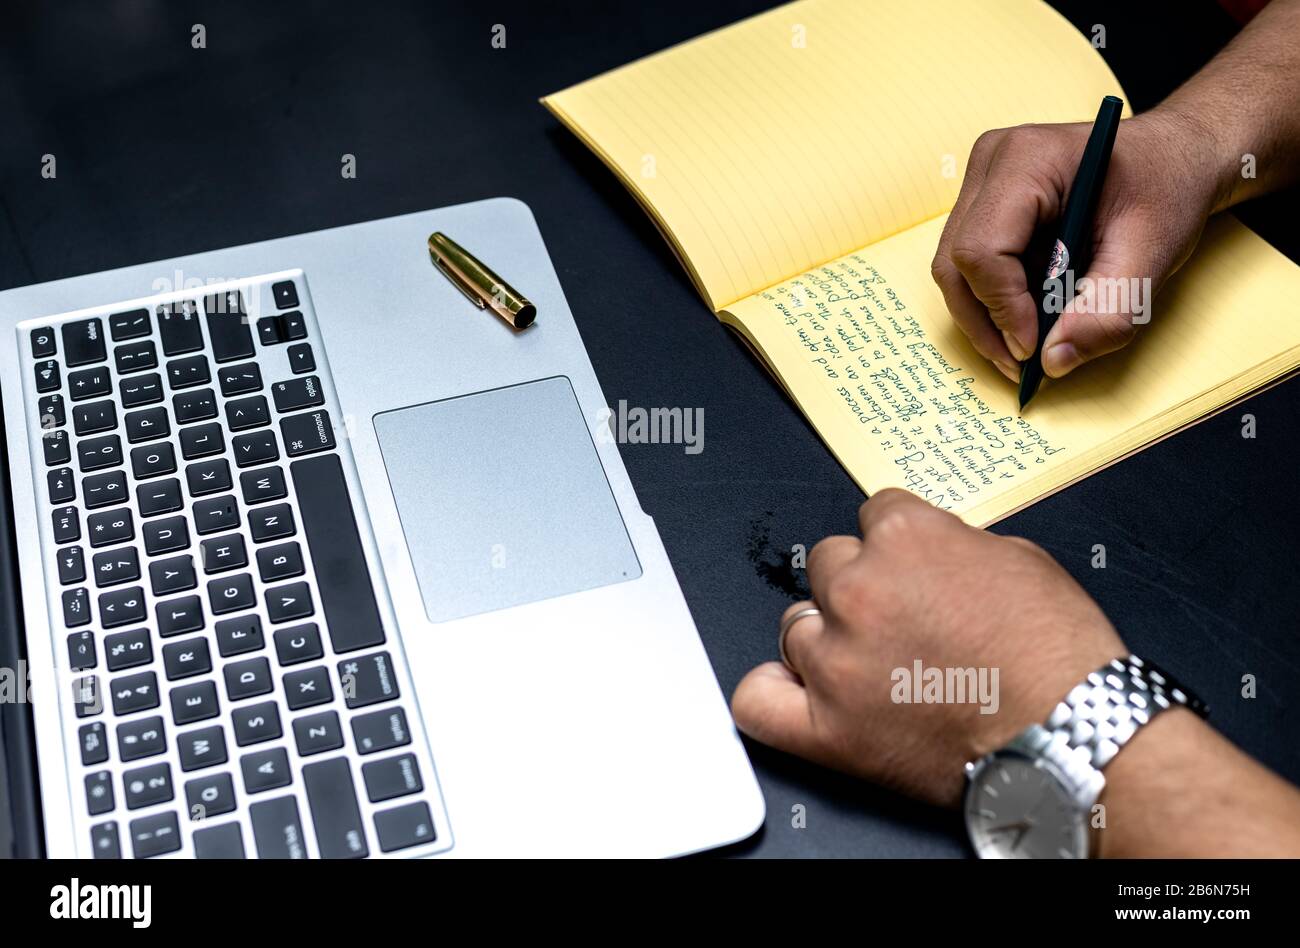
(164, 150)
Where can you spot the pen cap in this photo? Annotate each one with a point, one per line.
(477, 281)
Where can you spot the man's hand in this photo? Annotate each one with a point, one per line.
(1164, 182)
(921, 585)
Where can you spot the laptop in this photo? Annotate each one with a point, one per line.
(314, 559)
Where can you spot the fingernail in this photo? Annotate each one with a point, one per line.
(1061, 359)
(1018, 349)
(1010, 372)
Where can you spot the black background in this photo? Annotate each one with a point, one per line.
(165, 150)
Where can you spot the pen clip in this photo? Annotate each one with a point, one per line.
(458, 281)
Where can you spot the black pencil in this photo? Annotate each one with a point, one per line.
(1074, 244)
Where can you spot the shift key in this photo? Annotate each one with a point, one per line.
(334, 810)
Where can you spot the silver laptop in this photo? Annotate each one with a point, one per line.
(317, 560)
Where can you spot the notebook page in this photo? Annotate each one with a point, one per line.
(866, 347)
(793, 137)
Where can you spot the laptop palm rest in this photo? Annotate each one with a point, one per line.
(502, 499)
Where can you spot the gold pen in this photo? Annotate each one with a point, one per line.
(484, 288)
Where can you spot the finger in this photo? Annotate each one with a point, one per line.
(803, 635)
(771, 706)
(884, 504)
(827, 558)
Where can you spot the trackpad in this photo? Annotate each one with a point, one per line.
(503, 499)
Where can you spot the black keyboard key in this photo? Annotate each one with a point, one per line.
(82, 654)
(222, 553)
(51, 411)
(228, 326)
(231, 594)
(43, 344)
(94, 454)
(140, 390)
(208, 477)
(297, 394)
(110, 526)
(72, 565)
(380, 730)
(135, 357)
(239, 635)
(404, 827)
(259, 486)
(67, 524)
(147, 424)
(285, 294)
(247, 679)
(245, 413)
(146, 786)
(265, 770)
(129, 325)
(166, 536)
(186, 659)
(104, 490)
(269, 331)
(178, 616)
(271, 523)
(93, 741)
(93, 417)
(159, 497)
(47, 376)
(280, 562)
(104, 841)
(87, 699)
(198, 405)
(62, 485)
(76, 607)
(188, 372)
(347, 597)
(216, 514)
(210, 795)
(123, 650)
(200, 441)
(393, 777)
(89, 383)
(298, 643)
(132, 693)
(307, 688)
(219, 842)
(205, 747)
(289, 602)
(240, 379)
(155, 835)
(333, 802)
(367, 679)
(178, 325)
(301, 359)
(317, 733)
(99, 793)
(196, 702)
(256, 723)
(121, 607)
(83, 343)
(277, 831)
(114, 567)
(153, 460)
(57, 447)
(307, 434)
(141, 738)
(293, 326)
(257, 447)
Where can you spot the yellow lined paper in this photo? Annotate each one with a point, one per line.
(760, 157)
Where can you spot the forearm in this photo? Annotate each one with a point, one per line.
(1246, 102)
(1181, 789)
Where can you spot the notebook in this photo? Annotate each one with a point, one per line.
(801, 164)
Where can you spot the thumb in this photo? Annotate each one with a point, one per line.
(1112, 300)
(771, 706)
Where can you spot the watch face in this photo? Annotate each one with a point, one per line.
(1017, 808)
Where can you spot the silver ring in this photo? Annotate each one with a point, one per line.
(785, 629)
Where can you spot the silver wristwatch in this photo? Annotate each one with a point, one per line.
(1034, 798)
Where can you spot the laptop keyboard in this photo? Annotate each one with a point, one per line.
(233, 688)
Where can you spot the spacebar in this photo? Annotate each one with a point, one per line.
(342, 577)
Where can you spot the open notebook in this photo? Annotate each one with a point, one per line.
(801, 164)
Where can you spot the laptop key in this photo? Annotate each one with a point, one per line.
(231, 594)
(215, 514)
(87, 699)
(93, 417)
(269, 331)
(285, 294)
(56, 447)
(196, 702)
(285, 603)
(104, 841)
(200, 441)
(307, 688)
(244, 413)
(146, 786)
(259, 486)
(188, 372)
(99, 793)
(297, 394)
(256, 447)
(271, 523)
(186, 659)
(247, 679)
(178, 325)
(135, 357)
(47, 376)
(83, 343)
(307, 434)
(178, 616)
(142, 738)
(240, 379)
(205, 747)
(147, 424)
(102, 490)
(72, 565)
(228, 326)
(82, 654)
(132, 693)
(208, 477)
(76, 607)
(129, 325)
(121, 607)
(301, 359)
(67, 524)
(155, 835)
(317, 733)
(116, 566)
(89, 383)
(367, 679)
(123, 650)
(293, 326)
(219, 554)
(393, 777)
(280, 562)
(153, 460)
(51, 411)
(110, 526)
(219, 842)
(43, 344)
(210, 795)
(165, 536)
(140, 390)
(93, 454)
(333, 802)
(265, 770)
(239, 635)
(159, 497)
(62, 485)
(199, 405)
(277, 830)
(380, 730)
(404, 827)
(256, 723)
(93, 741)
